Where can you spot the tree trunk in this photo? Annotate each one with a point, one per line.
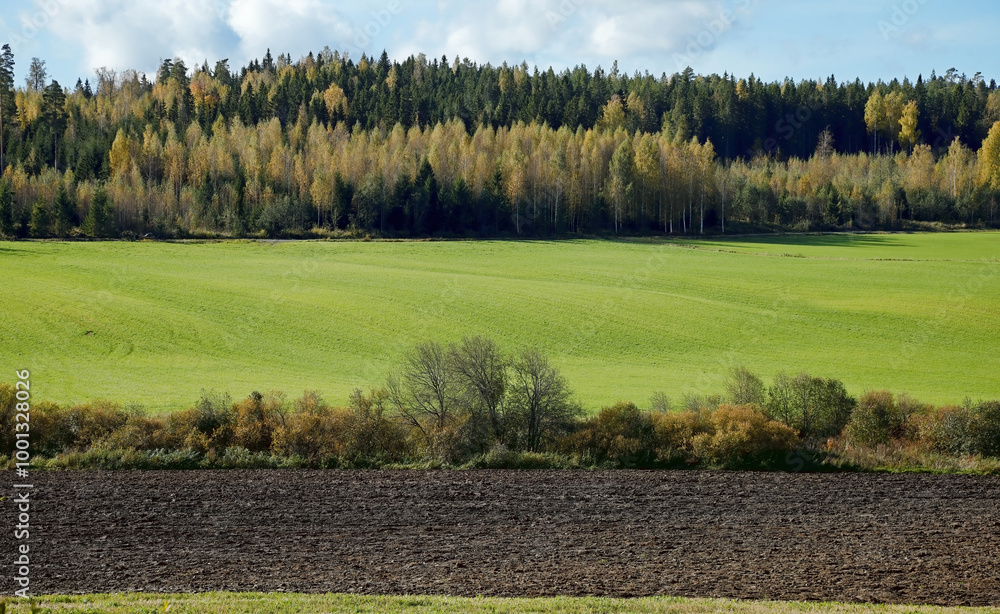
(701, 207)
(690, 217)
(723, 210)
(1, 132)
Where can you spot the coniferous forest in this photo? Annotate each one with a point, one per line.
(327, 145)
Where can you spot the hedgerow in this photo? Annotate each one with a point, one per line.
(520, 415)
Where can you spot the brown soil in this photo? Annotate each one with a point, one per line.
(846, 537)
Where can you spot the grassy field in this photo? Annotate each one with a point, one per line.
(228, 603)
(156, 323)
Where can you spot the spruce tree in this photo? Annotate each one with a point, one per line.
(41, 220)
(100, 220)
(6, 210)
(63, 212)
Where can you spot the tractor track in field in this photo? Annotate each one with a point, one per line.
(844, 537)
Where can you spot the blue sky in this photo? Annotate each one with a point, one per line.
(871, 39)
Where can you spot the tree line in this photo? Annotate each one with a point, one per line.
(327, 145)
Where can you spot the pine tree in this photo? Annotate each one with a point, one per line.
(6, 94)
(54, 110)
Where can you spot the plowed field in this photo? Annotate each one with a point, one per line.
(845, 537)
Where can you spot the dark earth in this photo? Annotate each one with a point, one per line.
(845, 537)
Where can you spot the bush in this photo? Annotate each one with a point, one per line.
(951, 430)
(447, 445)
(314, 431)
(125, 459)
(673, 433)
(256, 418)
(371, 432)
(51, 429)
(876, 420)
(741, 434)
(622, 434)
(988, 415)
(206, 426)
(91, 422)
(56, 429)
(140, 433)
(967, 430)
(814, 406)
(8, 406)
(501, 458)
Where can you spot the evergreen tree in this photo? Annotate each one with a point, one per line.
(41, 220)
(100, 221)
(6, 95)
(6, 210)
(64, 213)
(248, 111)
(54, 111)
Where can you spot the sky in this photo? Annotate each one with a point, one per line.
(772, 39)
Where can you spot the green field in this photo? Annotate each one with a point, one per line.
(158, 322)
(244, 603)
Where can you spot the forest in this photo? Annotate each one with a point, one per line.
(330, 146)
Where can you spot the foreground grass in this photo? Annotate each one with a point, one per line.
(240, 603)
(156, 323)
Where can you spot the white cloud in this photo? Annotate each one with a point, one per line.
(138, 33)
(294, 26)
(75, 36)
(564, 32)
(623, 29)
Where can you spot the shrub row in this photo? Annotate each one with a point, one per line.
(267, 431)
(471, 405)
(728, 436)
(972, 429)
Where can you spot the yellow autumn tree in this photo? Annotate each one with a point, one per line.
(908, 133)
(989, 159)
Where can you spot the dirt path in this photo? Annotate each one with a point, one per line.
(848, 537)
